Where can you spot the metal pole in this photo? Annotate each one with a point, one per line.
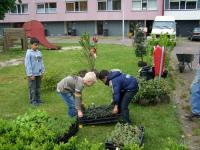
(161, 62)
(122, 20)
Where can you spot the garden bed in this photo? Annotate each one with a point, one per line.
(125, 135)
(99, 115)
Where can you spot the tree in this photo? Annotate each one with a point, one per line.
(89, 49)
(5, 6)
(140, 47)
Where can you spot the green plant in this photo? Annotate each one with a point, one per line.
(94, 112)
(50, 80)
(150, 90)
(139, 40)
(33, 130)
(168, 41)
(89, 49)
(125, 135)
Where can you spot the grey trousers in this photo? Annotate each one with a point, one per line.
(34, 89)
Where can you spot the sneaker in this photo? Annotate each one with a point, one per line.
(35, 103)
(39, 101)
(192, 116)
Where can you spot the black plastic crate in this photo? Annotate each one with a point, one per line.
(103, 120)
(73, 129)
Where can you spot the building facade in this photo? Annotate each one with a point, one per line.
(186, 13)
(73, 17)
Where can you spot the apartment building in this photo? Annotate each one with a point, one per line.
(186, 13)
(97, 17)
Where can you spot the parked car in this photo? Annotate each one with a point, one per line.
(195, 34)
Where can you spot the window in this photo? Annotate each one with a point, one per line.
(116, 4)
(152, 5)
(174, 4)
(46, 8)
(20, 9)
(136, 5)
(109, 5)
(76, 6)
(102, 5)
(144, 4)
(191, 4)
(183, 4)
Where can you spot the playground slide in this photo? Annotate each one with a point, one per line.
(35, 29)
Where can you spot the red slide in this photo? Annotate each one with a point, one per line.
(35, 29)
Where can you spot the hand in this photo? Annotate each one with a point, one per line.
(115, 110)
(32, 77)
(42, 76)
(80, 114)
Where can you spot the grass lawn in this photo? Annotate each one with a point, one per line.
(160, 121)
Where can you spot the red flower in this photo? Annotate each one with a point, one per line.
(95, 40)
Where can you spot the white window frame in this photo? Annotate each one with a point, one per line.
(46, 10)
(16, 7)
(73, 2)
(107, 9)
(141, 6)
(179, 1)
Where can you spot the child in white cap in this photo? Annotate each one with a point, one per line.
(70, 89)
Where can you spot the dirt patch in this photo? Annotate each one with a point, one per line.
(12, 62)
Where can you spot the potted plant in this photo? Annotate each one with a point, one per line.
(124, 135)
(98, 115)
(152, 92)
(140, 47)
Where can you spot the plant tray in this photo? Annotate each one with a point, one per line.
(73, 129)
(112, 146)
(105, 120)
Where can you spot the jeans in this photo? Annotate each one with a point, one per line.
(126, 98)
(34, 89)
(70, 102)
(195, 98)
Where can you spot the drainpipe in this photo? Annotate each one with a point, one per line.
(163, 7)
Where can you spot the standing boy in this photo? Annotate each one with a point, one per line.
(70, 89)
(124, 87)
(34, 71)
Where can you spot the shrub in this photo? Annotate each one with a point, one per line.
(50, 80)
(151, 91)
(33, 130)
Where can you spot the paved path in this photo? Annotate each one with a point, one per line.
(182, 94)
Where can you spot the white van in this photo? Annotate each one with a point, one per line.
(164, 24)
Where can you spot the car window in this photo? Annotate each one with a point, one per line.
(196, 30)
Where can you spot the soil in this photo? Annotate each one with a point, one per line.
(182, 92)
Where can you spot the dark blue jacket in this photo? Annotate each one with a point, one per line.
(121, 83)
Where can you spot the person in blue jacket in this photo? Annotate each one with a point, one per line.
(124, 88)
(34, 70)
(195, 95)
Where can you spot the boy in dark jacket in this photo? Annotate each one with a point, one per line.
(124, 88)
